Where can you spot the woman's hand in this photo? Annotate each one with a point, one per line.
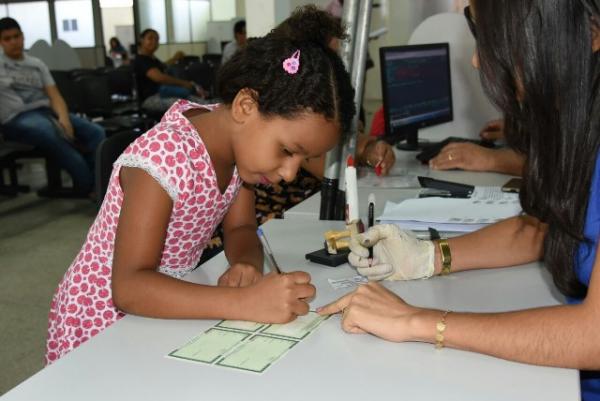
(379, 153)
(240, 275)
(397, 254)
(278, 298)
(373, 309)
(464, 156)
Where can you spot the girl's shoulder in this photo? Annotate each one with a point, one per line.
(171, 145)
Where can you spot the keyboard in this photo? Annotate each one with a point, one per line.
(430, 151)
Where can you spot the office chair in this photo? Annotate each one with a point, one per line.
(107, 153)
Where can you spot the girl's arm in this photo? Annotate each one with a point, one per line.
(165, 79)
(139, 289)
(511, 242)
(562, 336)
(242, 246)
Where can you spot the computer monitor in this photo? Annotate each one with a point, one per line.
(417, 91)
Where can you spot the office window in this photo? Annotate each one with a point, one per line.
(75, 22)
(34, 19)
(115, 3)
(190, 18)
(200, 15)
(181, 21)
(152, 15)
(222, 10)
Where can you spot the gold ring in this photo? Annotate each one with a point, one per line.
(344, 312)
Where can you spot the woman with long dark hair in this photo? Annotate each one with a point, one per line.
(539, 64)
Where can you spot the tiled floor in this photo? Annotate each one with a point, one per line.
(38, 240)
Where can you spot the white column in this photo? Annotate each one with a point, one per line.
(263, 15)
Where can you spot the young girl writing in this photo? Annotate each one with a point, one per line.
(283, 102)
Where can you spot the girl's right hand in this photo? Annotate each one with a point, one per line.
(278, 298)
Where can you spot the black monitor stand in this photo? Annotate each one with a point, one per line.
(411, 137)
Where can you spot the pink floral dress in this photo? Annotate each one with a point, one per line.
(173, 153)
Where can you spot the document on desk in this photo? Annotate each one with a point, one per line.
(247, 346)
(487, 205)
(368, 179)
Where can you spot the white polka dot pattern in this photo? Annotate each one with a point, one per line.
(173, 153)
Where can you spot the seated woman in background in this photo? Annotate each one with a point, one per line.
(117, 53)
(152, 80)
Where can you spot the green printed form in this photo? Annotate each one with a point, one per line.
(209, 346)
(257, 354)
(240, 325)
(247, 346)
(298, 329)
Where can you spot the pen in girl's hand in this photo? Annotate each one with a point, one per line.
(371, 219)
(268, 252)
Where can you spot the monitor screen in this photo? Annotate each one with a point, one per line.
(416, 88)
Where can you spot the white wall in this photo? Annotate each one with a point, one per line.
(112, 17)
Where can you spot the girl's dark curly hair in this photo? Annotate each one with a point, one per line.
(321, 85)
(311, 23)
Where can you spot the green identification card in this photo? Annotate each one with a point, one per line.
(247, 346)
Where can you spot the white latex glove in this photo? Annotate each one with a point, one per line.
(397, 254)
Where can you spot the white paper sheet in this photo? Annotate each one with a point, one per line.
(486, 206)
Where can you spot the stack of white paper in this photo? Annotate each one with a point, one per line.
(487, 205)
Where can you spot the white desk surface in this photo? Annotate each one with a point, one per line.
(127, 361)
(406, 165)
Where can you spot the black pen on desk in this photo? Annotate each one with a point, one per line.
(371, 219)
(268, 252)
(433, 234)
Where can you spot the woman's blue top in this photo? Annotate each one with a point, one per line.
(584, 263)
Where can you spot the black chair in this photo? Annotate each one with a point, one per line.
(69, 90)
(213, 59)
(107, 153)
(121, 81)
(10, 154)
(186, 60)
(203, 74)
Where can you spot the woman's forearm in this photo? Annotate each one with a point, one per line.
(511, 242)
(562, 336)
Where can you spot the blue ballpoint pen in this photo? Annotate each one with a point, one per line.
(267, 251)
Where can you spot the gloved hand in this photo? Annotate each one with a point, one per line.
(397, 254)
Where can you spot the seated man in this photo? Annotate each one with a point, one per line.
(239, 41)
(33, 111)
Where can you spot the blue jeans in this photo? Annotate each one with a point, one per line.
(173, 91)
(35, 127)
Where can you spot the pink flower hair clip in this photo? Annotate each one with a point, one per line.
(292, 64)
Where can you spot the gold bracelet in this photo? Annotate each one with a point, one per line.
(440, 327)
(446, 256)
